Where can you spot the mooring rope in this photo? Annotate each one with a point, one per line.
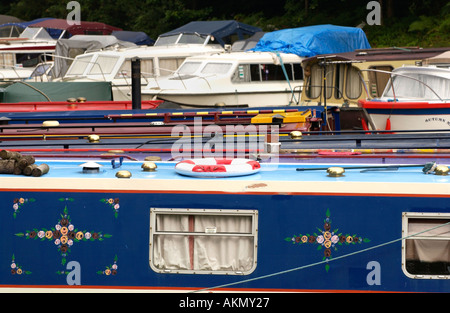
(321, 262)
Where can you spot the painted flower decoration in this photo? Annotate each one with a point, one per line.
(17, 269)
(113, 203)
(327, 239)
(111, 269)
(19, 203)
(63, 235)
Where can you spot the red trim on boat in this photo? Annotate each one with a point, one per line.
(369, 104)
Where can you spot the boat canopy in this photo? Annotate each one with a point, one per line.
(85, 28)
(66, 49)
(15, 29)
(220, 30)
(314, 40)
(138, 38)
(419, 83)
(246, 44)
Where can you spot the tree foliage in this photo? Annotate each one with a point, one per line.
(404, 22)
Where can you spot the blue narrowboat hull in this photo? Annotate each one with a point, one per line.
(111, 219)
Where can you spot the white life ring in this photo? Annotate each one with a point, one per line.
(212, 167)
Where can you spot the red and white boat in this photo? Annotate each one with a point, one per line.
(416, 98)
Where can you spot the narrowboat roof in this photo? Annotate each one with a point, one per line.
(379, 54)
(440, 59)
(270, 172)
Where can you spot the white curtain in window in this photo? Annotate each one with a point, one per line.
(146, 68)
(168, 66)
(315, 82)
(212, 251)
(7, 60)
(428, 250)
(171, 251)
(353, 85)
(231, 253)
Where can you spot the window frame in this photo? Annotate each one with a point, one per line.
(208, 232)
(351, 75)
(405, 222)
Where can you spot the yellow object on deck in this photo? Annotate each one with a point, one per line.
(287, 117)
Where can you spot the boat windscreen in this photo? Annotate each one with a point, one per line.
(167, 40)
(192, 38)
(103, 65)
(189, 68)
(216, 68)
(35, 33)
(79, 65)
(183, 39)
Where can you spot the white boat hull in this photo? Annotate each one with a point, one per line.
(251, 99)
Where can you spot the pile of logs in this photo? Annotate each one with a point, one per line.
(15, 163)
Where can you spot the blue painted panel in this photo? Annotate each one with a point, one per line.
(125, 241)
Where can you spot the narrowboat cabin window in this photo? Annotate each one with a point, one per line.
(353, 85)
(339, 81)
(194, 241)
(378, 80)
(427, 255)
(329, 80)
(314, 84)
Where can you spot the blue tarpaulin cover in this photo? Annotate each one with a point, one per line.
(314, 40)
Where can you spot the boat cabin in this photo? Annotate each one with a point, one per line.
(335, 79)
(237, 78)
(34, 45)
(162, 59)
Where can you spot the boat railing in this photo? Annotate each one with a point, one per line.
(391, 84)
(293, 98)
(155, 77)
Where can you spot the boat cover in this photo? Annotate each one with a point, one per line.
(314, 40)
(14, 29)
(78, 44)
(55, 91)
(218, 29)
(246, 44)
(85, 28)
(9, 19)
(138, 38)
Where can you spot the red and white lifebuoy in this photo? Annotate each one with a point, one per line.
(212, 167)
